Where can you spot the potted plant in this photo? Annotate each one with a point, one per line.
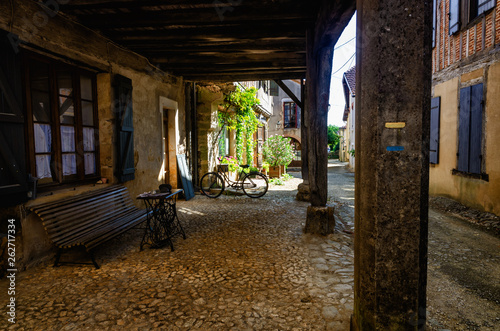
(278, 153)
(265, 168)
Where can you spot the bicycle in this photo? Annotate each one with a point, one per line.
(254, 184)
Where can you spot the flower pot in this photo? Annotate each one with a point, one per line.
(276, 172)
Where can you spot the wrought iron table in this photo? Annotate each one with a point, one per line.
(162, 222)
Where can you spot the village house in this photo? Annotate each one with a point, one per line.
(465, 125)
(349, 86)
(211, 142)
(287, 115)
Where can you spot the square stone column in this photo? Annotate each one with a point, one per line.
(393, 90)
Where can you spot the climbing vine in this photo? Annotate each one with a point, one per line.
(243, 120)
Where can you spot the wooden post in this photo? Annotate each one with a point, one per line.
(319, 69)
(303, 135)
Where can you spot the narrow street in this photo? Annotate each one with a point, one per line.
(463, 289)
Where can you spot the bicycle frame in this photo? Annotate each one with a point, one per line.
(238, 184)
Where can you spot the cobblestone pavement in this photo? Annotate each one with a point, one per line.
(245, 265)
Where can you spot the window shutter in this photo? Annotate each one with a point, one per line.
(454, 16)
(464, 129)
(125, 128)
(274, 89)
(476, 128)
(434, 21)
(13, 176)
(434, 141)
(484, 5)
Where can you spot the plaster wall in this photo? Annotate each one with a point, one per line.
(277, 118)
(476, 193)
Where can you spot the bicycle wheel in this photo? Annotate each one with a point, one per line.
(255, 184)
(212, 184)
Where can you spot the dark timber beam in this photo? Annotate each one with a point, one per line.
(393, 84)
(333, 18)
(289, 93)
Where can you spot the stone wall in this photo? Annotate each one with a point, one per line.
(154, 94)
(209, 98)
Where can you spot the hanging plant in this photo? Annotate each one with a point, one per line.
(243, 120)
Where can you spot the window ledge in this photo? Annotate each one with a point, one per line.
(60, 193)
(481, 176)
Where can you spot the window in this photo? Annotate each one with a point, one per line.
(470, 129)
(462, 12)
(62, 121)
(289, 115)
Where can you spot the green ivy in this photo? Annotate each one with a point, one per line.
(243, 120)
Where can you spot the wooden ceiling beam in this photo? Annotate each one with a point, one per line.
(170, 4)
(245, 76)
(166, 18)
(292, 44)
(229, 58)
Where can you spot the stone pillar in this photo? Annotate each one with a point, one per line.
(393, 86)
(208, 99)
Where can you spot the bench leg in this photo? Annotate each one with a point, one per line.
(93, 259)
(58, 257)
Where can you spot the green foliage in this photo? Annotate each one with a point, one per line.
(352, 152)
(276, 181)
(265, 166)
(231, 162)
(286, 177)
(243, 120)
(333, 136)
(277, 150)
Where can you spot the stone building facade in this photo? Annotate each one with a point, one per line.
(465, 126)
(286, 118)
(67, 100)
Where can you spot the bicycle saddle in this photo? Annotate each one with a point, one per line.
(245, 166)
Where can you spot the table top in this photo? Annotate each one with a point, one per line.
(150, 195)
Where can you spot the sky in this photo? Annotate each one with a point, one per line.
(343, 59)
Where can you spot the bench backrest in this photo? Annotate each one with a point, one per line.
(77, 215)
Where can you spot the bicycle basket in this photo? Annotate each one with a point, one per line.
(223, 168)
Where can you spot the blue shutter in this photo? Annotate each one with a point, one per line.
(454, 16)
(464, 129)
(125, 127)
(434, 134)
(434, 22)
(484, 5)
(476, 128)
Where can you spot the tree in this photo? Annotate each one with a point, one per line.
(333, 136)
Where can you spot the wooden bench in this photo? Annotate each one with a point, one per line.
(89, 219)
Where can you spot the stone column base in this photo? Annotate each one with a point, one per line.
(304, 192)
(320, 220)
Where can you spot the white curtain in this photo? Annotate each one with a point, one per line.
(43, 144)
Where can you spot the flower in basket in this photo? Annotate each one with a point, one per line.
(278, 151)
(231, 161)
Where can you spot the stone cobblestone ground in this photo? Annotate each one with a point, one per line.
(245, 265)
